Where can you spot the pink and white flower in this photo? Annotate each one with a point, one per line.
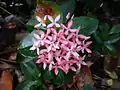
(53, 22)
(41, 21)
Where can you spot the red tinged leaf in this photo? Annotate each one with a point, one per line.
(6, 81)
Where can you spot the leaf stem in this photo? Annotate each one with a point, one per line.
(5, 10)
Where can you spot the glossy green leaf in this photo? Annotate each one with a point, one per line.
(87, 25)
(97, 38)
(104, 31)
(59, 79)
(27, 41)
(113, 39)
(26, 52)
(110, 49)
(115, 29)
(26, 85)
(30, 70)
(48, 75)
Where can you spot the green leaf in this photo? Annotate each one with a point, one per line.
(27, 41)
(104, 31)
(88, 87)
(110, 49)
(115, 29)
(48, 75)
(113, 39)
(59, 79)
(97, 38)
(26, 85)
(65, 7)
(30, 70)
(87, 25)
(68, 77)
(26, 52)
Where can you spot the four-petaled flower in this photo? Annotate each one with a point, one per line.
(41, 21)
(53, 22)
(68, 27)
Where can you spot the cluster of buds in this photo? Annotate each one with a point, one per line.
(65, 49)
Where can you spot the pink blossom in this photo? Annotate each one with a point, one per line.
(68, 27)
(41, 21)
(63, 47)
(54, 22)
(84, 47)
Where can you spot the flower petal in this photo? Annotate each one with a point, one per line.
(75, 54)
(70, 24)
(88, 43)
(49, 48)
(38, 61)
(50, 67)
(88, 50)
(63, 26)
(50, 18)
(38, 51)
(36, 36)
(73, 30)
(37, 26)
(56, 71)
(57, 18)
(43, 24)
(73, 69)
(50, 25)
(68, 15)
(83, 63)
(33, 48)
(38, 18)
(44, 65)
(45, 18)
(57, 25)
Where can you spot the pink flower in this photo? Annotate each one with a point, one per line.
(68, 28)
(39, 41)
(52, 44)
(84, 47)
(44, 61)
(71, 51)
(62, 47)
(41, 22)
(54, 22)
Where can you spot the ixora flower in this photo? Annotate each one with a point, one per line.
(53, 22)
(65, 49)
(41, 21)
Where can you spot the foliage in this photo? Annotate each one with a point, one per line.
(103, 35)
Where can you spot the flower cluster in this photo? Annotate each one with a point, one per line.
(65, 48)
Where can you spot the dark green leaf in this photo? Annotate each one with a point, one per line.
(110, 49)
(26, 85)
(30, 70)
(87, 25)
(65, 7)
(104, 31)
(59, 79)
(89, 87)
(115, 29)
(68, 77)
(92, 3)
(97, 38)
(48, 75)
(26, 52)
(113, 39)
